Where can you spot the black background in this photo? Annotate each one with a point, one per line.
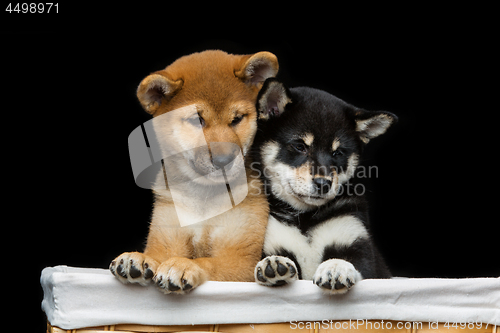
(70, 104)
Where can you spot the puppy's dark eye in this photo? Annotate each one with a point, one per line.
(196, 121)
(300, 147)
(236, 120)
(337, 153)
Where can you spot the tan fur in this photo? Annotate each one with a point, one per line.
(220, 87)
(335, 144)
(308, 139)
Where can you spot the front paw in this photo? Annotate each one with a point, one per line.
(133, 267)
(179, 275)
(275, 271)
(336, 276)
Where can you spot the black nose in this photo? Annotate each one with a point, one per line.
(222, 160)
(322, 185)
(223, 154)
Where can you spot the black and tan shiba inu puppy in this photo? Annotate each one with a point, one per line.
(204, 119)
(307, 149)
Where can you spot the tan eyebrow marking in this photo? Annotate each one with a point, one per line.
(335, 144)
(308, 138)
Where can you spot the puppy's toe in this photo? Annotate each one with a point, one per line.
(336, 276)
(133, 267)
(179, 276)
(275, 271)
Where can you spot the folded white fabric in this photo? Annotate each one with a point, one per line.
(83, 297)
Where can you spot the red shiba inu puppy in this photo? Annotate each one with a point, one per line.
(206, 104)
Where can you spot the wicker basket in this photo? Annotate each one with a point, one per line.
(372, 326)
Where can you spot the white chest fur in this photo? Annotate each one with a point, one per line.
(309, 248)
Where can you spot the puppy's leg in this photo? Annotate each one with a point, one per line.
(165, 240)
(340, 268)
(232, 250)
(228, 263)
(344, 266)
(230, 260)
(231, 264)
(237, 245)
(230, 253)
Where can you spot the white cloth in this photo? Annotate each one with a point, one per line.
(82, 297)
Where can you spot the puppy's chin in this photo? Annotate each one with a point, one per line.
(214, 178)
(302, 200)
(314, 201)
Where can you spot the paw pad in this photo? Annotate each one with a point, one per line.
(134, 271)
(275, 271)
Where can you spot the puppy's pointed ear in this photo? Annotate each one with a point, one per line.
(371, 124)
(254, 69)
(156, 89)
(272, 99)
